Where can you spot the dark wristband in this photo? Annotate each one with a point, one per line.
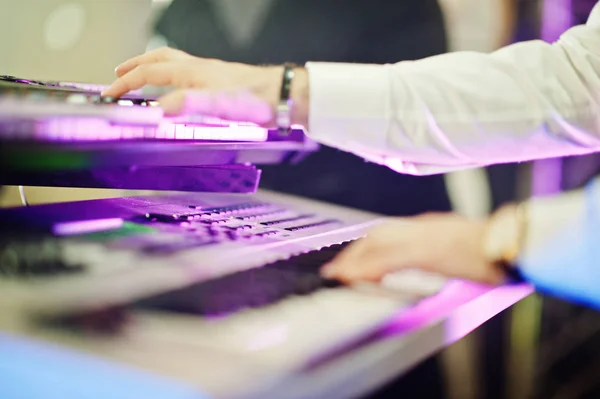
(284, 107)
(511, 272)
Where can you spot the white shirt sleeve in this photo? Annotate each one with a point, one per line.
(562, 245)
(459, 110)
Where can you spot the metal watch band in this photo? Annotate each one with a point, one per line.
(284, 107)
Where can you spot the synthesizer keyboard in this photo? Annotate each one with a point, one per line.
(238, 274)
(76, 112)
(209, 287)
(66, 134)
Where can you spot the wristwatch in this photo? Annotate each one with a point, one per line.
(505, 239)
(284, 107)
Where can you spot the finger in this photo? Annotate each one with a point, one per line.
(159, 55)
(199, 102)
(254, 109)
(374, 262)
(374, 256)
(228, 105)
(370, 266)
(345, 258)
(382, 236)
(159, 74)
(174, 103)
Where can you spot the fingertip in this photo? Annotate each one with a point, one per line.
(108, 92)
(173, 103)
(340, 271)
(328, 270)
(115, 90)
(119, 71)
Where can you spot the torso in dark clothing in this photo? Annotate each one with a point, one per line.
(375, 31)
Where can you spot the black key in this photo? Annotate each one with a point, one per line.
(330, 283)
(104, 321)
(256, 287)
(305, 284)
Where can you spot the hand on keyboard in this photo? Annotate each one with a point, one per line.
(447, 244)
(229, 91)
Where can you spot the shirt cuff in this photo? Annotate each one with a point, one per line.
(346, 102)
(561, 251)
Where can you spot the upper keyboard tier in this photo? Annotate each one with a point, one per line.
(39, 120)
(56, 111)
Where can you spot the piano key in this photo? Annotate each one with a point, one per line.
(188, 132)
(298, 275)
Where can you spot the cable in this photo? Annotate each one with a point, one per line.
(23, 196)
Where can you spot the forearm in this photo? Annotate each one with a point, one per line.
(528, 101)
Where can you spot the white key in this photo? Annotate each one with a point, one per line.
(285, 334)
(188, 133)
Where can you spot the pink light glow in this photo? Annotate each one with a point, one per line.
(464, 305)
(93, 129)
(477, 312)
(557, 17)
(86, 226)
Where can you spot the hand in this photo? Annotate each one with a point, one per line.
(447, 244)
(211, 87)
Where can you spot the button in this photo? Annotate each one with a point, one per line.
(213, 232)
(77, 99)
(311, 225)
(232, 235)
